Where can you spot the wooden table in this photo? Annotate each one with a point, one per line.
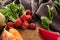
(30, 35)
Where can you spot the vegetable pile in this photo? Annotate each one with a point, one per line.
(17, 16)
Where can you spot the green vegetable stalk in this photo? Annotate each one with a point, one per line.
(56, 4)
(45, 22)
(12, 11)
(51, 12)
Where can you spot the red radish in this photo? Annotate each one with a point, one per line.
(32, 26)
(25, 25)
(10, 25)
(48, 35)
(29, 18)
(23, 17)
(28, 12)
(18, 23)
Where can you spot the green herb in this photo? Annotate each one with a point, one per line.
(56, 4)
(12, 11)
(45, 22)
(51, 12)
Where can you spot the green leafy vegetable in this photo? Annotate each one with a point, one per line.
(12, 11)
(45, 22)
(56, 4)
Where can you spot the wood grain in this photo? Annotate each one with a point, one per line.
(30, 35)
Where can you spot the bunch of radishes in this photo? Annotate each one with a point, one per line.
(24, 22)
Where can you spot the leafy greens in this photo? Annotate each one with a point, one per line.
(12, 11)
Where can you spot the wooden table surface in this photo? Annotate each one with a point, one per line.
(30, 35)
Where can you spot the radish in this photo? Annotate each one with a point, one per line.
(10, 24)
(18, 23)
(32, 26)
(25, 25)
(23, 17)
(29, 18)
(48, 35)
(28, 12)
